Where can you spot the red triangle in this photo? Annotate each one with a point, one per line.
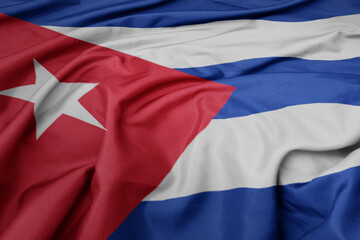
(78, 181)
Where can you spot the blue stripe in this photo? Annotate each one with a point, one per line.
(326, 208)
(273, 83)
(162, 13)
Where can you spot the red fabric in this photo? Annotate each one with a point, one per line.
(78, 181)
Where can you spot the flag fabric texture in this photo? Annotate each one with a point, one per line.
(181, 120)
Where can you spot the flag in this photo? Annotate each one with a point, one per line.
(176, 120)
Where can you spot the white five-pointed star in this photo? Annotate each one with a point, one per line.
(52, 98)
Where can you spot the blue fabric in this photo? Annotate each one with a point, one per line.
(326, 208)
(272, 83)
(162, 13)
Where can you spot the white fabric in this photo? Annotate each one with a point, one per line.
(290, 145)
(229, 41)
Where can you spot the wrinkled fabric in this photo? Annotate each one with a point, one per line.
(221, 120)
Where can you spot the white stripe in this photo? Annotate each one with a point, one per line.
(290, 145)
(229, 41)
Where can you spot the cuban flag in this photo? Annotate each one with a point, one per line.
(179, 120)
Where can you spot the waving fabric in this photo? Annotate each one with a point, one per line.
(154, 119)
